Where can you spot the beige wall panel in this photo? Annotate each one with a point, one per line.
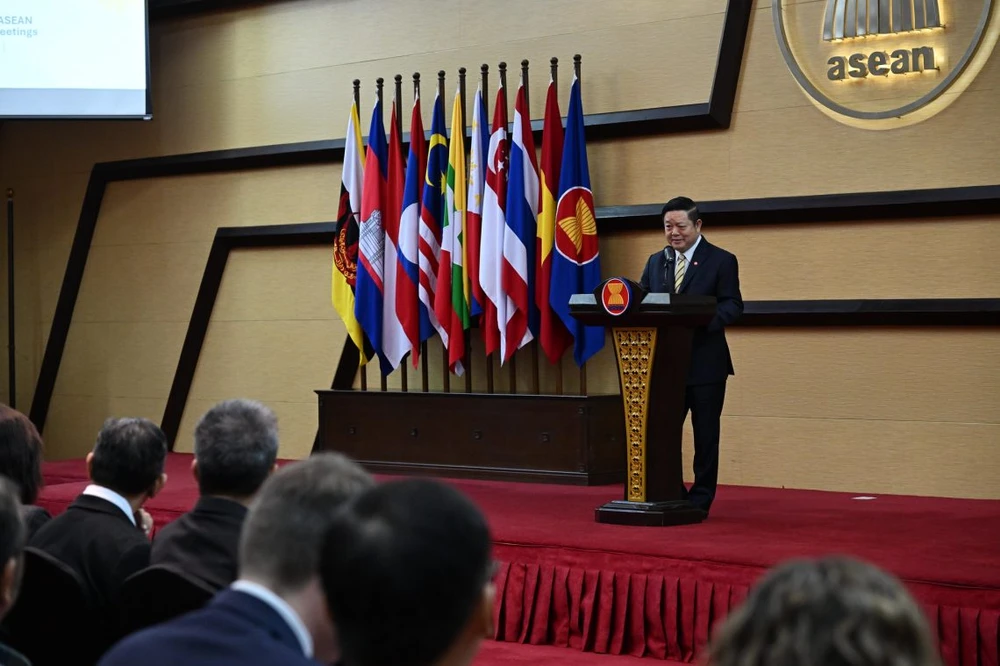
(297, 423)
(132, 359)
(819, 261)
(274, 360)
(74, 421)
(191, 208)
(897, 457)
(141, 283)
(898, 374)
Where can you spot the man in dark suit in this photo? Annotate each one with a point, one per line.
(12, 538)
(275, 613)
(235, 448)
(104, 534)
(689, 264)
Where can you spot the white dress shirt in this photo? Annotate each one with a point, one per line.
(95, 490)
(281, 607)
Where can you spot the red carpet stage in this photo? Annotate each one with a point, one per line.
(655, 592)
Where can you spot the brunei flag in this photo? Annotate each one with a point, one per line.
(451, 303)
(576, 263)
(345, 248)
(552, 334)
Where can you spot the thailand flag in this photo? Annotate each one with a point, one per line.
(520, 232)
(369, 288)
(408, 275)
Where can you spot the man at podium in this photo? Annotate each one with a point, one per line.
(689, 264)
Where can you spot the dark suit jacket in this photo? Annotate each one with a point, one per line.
(711, 272)
(34, 517)
(95, 539)
(235, 628)
(9, 657)
(204, 541)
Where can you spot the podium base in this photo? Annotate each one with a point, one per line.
(649, 514)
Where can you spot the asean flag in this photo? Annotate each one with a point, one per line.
(576, 262)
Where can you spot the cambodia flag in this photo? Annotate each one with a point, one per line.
(369, 288)
(576, 263)
(519, 235)
(408, 275)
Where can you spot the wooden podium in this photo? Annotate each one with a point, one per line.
(652, 336)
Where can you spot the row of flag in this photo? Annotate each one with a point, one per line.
(459, 235)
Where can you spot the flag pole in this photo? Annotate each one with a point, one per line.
(445, 371)
(583, 368)
(467, 360)
(398, 105)
(424, 377)
(379, 83)
(506, 123)
(554, 73)
(484, 73)
(534, 343)
(11, 356)
(357, 106)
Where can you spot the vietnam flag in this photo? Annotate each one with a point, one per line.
(552, 336)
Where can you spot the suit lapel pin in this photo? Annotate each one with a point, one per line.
(695, 263)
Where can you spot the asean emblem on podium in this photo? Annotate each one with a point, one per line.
(880, 64)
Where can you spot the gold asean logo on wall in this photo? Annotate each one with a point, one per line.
(879, 64)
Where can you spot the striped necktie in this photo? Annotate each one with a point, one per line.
(679, 272)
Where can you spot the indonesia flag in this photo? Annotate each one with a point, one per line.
(408, 275)
(395, 343)
(431, 217)
(371, 243)
(494, 223)
(519, 234)
(474, 214)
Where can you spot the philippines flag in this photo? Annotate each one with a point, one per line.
(576, 263)
(431, 216)
(395, 343)
(494, 223)
(477, 189)
(519, 235)
(408, 275)
(368, 291)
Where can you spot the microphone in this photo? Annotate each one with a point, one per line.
(671, 255)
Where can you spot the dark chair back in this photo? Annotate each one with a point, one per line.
(52, 621)
(160, 593)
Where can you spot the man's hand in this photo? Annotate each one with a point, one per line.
(145, 522)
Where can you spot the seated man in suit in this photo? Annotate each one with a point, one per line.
(235, 448)
(408, 576)
(12, 538)
(689, 264)
(275, 612)
(104, 534)
(21, 462)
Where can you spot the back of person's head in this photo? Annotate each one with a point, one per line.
(284, 529)
(407, 574)
(128, 457)
(235, 447)
(12, 537)
(831, 612)
(20, 453)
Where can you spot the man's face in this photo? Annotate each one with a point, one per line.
(681, 232)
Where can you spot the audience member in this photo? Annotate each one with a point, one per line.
(104, 534)
(21, 462)
(12, 538)
(235, 448)
(275, 613)
(408, 577)
(831, 612)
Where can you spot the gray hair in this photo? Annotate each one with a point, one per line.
(831, 612)
(288, 519)
(236, 445)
